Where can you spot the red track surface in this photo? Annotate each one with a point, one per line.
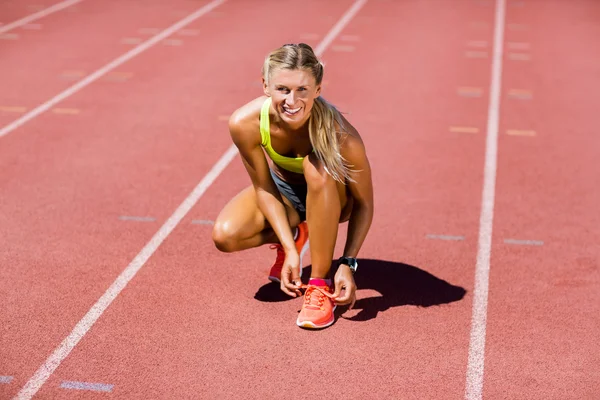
(196, 323)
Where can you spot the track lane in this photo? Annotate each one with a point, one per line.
(206, 334)
(42, 63)
(544, 299)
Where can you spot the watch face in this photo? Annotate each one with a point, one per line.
(351, 262)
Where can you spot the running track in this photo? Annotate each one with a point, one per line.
(438, 89)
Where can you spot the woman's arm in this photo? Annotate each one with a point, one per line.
(362, 192)
(243, 132)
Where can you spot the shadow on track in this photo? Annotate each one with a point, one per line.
(399, 285)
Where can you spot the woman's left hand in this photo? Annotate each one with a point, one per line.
(344, 280)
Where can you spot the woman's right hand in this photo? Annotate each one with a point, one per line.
(290, 274)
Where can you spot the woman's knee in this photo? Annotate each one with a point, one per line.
(315, 173)
(224, 237)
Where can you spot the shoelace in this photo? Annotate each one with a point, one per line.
(280, 253)
(312, 301)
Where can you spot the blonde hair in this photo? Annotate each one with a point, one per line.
(323, 117)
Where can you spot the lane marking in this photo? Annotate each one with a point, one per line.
(519, 56)
(13, 109)
(309, 36)
(350, 38)
(343, 48)
(517, 27)
(475, 365)
(202, 222)
(148, 31)
(172, 42)
(38, 15)
(96, 387)
(476, 54)
(520, 132)
(464, 129)
(480, 44)
(446, 237)
(137, 219)
(32, 27)
(5, 379)
(466, 91)
(188, 32)
(518, 45)
(110, 66)
(118, 76)
(42, 374)
(66, 111)
(131, 40)
(9, 36)
(520, 94)
(524, 242)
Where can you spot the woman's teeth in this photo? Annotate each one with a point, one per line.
(291, 111)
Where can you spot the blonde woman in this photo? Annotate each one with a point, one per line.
(309, 172)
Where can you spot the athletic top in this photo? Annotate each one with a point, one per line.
(287, 163)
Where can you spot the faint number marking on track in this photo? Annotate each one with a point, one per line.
(476, 360)
(172, 42)
(519, 56)
(68, 344)
(469, 91)
(518, 46)
(524, 242)
(117, 76)
(32, 27)
(131, 40)
(38, 15)
(446, 237)
(137, 219)
(519, 132)
(520, 94)
(5, 379)
(350, 38)
(66, 111)
(479, 44)
(476, 54)
(96, 387)
(202, 222)
(9, 36)
(13, 109)
(148, 31)
(343, 48)
(110, 66)
(464, 129)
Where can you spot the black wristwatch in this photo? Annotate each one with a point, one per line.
(349, 261)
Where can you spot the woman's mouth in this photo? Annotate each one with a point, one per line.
(291, 111)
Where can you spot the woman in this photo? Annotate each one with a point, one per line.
(318, 176)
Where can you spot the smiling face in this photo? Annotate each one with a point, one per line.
(293, 93)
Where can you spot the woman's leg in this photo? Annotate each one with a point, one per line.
(241, 225)
(327, 204)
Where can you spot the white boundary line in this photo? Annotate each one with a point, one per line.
(83, 326)
(38, 15)
(475, 366)
(110, 66)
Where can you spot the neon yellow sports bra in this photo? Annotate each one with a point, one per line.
(288, 163)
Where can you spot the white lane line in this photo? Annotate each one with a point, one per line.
(110, 66)
(96, 387)
(524, 242)
(38, 15)
(83, 326)
(136, 219)
(474, 378)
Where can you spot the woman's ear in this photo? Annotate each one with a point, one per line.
(266, 87)
(318, 90)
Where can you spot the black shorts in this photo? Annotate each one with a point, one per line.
(296, 194)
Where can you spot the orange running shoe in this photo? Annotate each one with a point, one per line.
(318, 307)
(301, 246)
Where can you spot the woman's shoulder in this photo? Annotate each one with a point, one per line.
(245, 121)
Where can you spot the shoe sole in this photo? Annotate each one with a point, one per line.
(312, 325)
(302, 252)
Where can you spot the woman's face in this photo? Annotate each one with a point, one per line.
(293, 93)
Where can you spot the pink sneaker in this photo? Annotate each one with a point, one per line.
(301, 246)
(317, 309)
